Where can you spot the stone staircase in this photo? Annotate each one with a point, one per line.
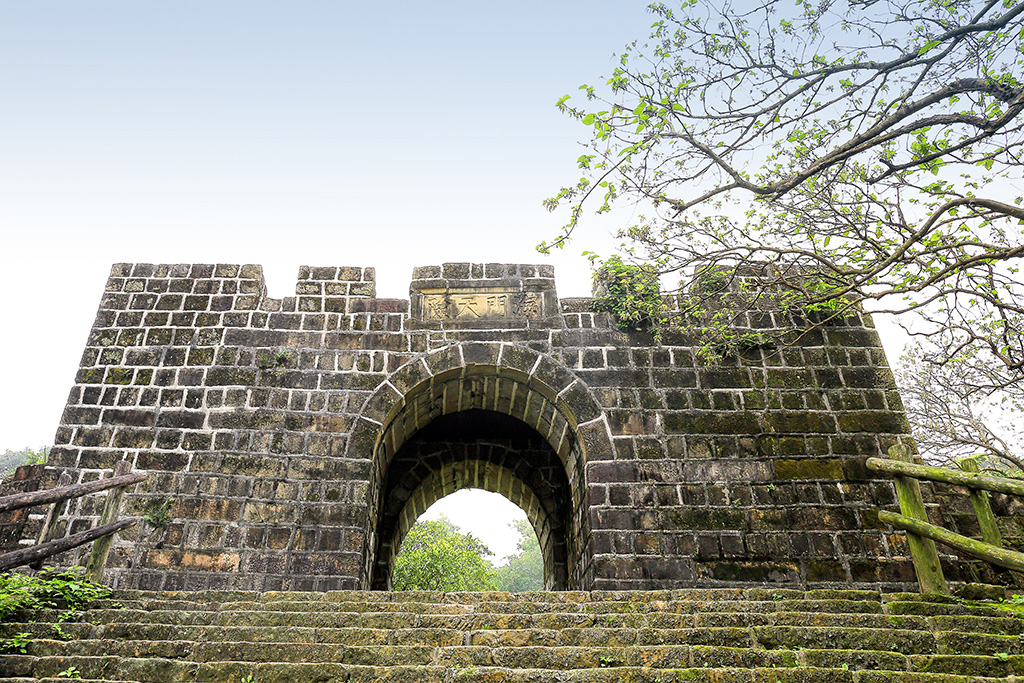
(721, 635)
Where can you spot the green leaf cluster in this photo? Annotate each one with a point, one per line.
(158, 512)
(17, 642)
(436, 556)
(631, 293)
(66, 589)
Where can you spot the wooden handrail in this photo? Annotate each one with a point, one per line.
(41, 552)
(940, 474)
(922, 534)
(102, 536)
(998, 556)
(17, 501)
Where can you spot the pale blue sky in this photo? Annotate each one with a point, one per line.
(335, 133)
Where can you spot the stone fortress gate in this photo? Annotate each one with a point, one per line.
(292, 443)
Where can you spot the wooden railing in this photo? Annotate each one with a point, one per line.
(922, 535)
(103, 534)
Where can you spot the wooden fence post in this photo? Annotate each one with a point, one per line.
(52, 518)
(101, 548)
(986, 520)
(922, 550)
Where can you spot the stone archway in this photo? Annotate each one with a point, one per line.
(532, 396)
(485, 450)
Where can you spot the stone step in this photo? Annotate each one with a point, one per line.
(559, 620)
(934, 608)
(476, 620)
(722, 635)
(172, 641)
(157, 604)
(533, 607)
(769, 637)
(940, 622)
(755, 675)
(559, 597)
(63, 680)
(155, 670)
(188, 596)
(237, 651)
(350, 606)
(870, 631)
(132, 616)
(70, 631)
(634, 676)
(131, 669)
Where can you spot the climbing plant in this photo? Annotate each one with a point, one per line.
(631, 293)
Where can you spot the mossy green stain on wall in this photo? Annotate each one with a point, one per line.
(809, 468)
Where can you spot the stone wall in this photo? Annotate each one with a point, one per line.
(294, 440)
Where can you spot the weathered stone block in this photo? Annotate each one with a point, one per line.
(809, 468)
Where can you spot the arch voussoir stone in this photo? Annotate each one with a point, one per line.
(553, 376)
(409, 375)
(481, 353)
(580, 401)
(381, 402)
(518, 361)
(363, 440)
(444, 358)
(597, 442)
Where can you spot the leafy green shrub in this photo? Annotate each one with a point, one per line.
(18, 642)
(436, 556)
(631, 293)
(50, 589)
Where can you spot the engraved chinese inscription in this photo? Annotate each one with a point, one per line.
(471, 305)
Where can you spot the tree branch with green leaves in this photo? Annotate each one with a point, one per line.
(875, 144)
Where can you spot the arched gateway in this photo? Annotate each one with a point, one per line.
(293, 442)
(499, 417)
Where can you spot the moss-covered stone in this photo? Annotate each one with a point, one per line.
(963, 665)
(808, 468)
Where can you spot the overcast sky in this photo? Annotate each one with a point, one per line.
(322, 133)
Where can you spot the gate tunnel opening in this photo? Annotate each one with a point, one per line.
(440, 424)
(489, 519)
(486, 450)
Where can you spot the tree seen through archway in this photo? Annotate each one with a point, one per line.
(437, 554)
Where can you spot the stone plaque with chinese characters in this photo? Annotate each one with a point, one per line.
(472, 304)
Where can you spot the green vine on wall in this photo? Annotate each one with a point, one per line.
(631, 293)
(710, 309)
(158, 512)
